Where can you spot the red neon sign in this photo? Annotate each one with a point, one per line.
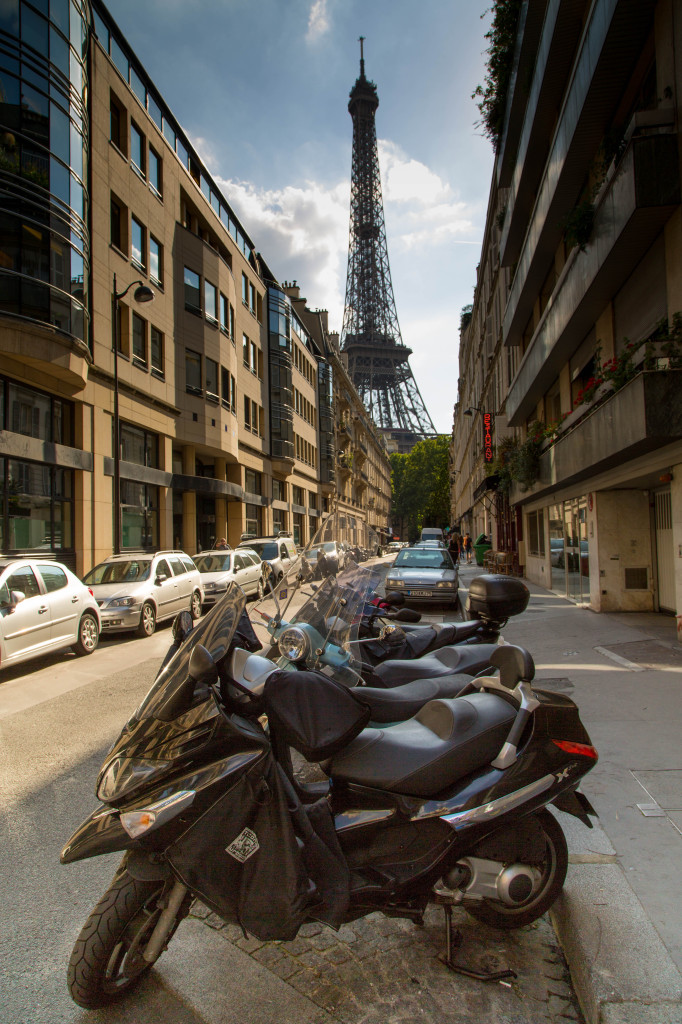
(488, 451)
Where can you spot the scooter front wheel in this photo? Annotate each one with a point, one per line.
(107, 959)
(552, 871)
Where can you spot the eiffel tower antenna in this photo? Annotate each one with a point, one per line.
(378, 361)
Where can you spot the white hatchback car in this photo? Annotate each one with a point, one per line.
(44, 608)
(219, 568)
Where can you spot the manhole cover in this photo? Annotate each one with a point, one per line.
(561, 684)
(650, 653)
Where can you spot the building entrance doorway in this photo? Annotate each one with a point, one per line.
(577, 550)
(664, 550)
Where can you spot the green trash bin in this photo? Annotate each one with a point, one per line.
(481, 545)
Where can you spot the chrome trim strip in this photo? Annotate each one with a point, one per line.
(486, 812)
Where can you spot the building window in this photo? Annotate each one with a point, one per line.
(224, 314)
(34, 414)
(211, 380)
(192, 291)
(253, 359)
(155, 261)
(139, 516)
(138, 247)
(297, 495)
(156, 350)
(253, 520)
(139, 339)
(245, 350)
(155, 173)
(253, 482)
(137, 149)
(193, 372)
(252, 299)
(232, 332)
(247, 412)
(298, 529)
(139, 446)
(279, 490)
(312, 499)
(40, 514)
(536, 533)
(245, 290)
(210, 301)
(117, 124)
(279, 520)
(119, 224)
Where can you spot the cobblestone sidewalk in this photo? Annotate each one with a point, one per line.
(385, 971)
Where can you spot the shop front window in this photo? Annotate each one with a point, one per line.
(39, 507)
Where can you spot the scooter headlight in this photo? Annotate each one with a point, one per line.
(294, 644)
(124, 774)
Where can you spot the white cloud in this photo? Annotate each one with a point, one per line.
(407, 180)
(318, 21)
(303, 234)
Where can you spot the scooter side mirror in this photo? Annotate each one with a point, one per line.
(514, 663)
(202, 667)
(182, 627)
(407, 615)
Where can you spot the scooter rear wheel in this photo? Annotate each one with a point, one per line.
(107, 958)
(552, 869)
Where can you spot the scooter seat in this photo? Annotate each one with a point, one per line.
(469, 660)
(399, 703)
(444, 742)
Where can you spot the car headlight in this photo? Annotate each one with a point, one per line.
(392, 584)
(445, 585)
(122, 602)
(294, 644)
(124, 774)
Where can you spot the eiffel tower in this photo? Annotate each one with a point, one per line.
(378, 361)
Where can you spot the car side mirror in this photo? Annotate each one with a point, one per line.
(160, 578)
(15, 598)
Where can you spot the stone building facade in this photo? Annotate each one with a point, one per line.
(573, 324)
(222, 395)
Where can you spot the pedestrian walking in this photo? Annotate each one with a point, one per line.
(468, 547)
(453, 548)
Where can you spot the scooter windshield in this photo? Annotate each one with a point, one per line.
(215, 632)
(313, 617)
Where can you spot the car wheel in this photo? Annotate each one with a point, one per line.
(195, 605)
(88, 635)
(147, 620)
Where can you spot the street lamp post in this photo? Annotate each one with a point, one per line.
(142, 293)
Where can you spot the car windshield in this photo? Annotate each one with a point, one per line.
(119, 572)
(266, 549)
(213, 563)
(424, 558)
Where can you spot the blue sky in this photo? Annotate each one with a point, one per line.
(261, 87)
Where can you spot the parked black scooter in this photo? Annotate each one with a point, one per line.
(194, 795)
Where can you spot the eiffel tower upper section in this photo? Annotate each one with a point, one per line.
(378, 361)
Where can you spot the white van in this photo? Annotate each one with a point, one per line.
(431, 533)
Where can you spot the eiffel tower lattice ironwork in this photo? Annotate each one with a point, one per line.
(378, 361)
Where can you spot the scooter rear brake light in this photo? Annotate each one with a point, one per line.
(582, 749)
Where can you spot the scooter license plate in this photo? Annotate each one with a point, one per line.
(419, 593)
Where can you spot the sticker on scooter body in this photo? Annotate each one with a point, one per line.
(244, 846)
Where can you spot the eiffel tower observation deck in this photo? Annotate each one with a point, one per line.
(378, 361)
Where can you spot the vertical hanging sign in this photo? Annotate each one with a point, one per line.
(488, 451)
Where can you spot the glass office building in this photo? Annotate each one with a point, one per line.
(44, 249)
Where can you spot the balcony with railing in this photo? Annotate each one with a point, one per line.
(638, 196)
(610, 46)
(642, 417)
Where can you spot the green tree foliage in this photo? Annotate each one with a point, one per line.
(493, 93)
(420, 486)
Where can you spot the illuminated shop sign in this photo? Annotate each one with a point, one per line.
(488, 451)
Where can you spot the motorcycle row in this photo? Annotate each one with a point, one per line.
(437, 764)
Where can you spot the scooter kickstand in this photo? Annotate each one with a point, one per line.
(453, 942)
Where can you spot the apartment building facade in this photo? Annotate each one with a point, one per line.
(213, 388)
(567, 434)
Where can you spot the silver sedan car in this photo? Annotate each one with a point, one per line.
(425, 575)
